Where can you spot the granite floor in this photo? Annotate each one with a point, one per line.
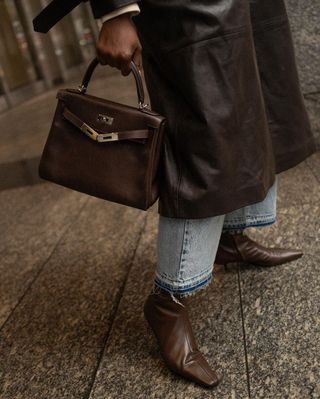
(75, 271)
(74, 275)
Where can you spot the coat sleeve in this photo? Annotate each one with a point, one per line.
(103, 7)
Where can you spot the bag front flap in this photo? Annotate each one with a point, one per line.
(105, 116)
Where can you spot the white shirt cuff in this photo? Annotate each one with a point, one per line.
(133, 9)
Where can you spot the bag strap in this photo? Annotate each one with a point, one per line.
(103, 137)
(136, 73)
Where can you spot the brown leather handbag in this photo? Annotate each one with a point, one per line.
(103, 148)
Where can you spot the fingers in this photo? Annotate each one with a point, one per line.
(118, 44)
(121, 61)
(135, 57)
(125, 65)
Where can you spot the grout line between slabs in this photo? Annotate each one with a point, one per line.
(244, 332)
(43, 266)
(112, 317)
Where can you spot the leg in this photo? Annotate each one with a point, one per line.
(186, 252)
(256, 215)
(236, 247)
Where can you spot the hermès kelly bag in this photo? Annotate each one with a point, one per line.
(103, 148)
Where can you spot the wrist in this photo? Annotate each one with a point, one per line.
(120, 18)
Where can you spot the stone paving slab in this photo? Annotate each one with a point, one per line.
(307, 50)
(33, 220)
(304, 20)
(51, 344)
(281, 310)
(297, 186)
(19, 173)
(296, 227)
(313, 107)
(314, 164)
(131, 366)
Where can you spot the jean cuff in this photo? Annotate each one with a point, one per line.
(261, 221)
(185, 290)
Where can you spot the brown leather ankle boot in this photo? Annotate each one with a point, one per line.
(170, 323)
(240, 248)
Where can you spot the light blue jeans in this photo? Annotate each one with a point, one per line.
(186, 248)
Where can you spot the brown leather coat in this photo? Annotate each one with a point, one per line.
(223, 72)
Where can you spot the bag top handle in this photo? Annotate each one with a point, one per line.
(136, 73)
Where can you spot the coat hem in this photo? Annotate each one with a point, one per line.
(257, 193)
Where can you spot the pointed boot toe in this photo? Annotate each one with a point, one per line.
(199, 371)
(241, 248)
(171, 326)
(295, 254)
(281, 256)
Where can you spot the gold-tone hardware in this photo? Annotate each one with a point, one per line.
(89, 131)
(112, 136)
(143, 105)
(100, 137)
(105, 119)
(82, 89)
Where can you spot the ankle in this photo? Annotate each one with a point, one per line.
(175, 297)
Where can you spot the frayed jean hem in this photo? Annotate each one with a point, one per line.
(185, 290)
(241, 226)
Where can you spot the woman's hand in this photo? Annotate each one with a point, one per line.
(118, 44)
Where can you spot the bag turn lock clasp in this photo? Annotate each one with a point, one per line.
(113, 136)
(100, 137)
